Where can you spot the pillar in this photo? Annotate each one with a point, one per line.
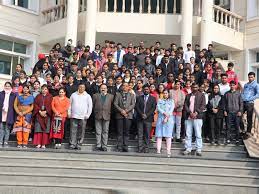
(207, 18)
(72, 21)
(186, 28)
(90, 27)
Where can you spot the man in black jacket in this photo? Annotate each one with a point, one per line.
(128, 58)
(145, 107)
(166, 66)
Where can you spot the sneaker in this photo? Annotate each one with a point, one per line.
(25, 147)
(43, 147)
(38, 146)
(19, 146)
(59, 146)
(72, 147)
(104, 149)
(30, 139)
(6, 145)
(97, 149)
(198, 154)
(169, 155)
(228, 141)
(186, 152)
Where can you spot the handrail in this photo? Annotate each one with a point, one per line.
(228, 12)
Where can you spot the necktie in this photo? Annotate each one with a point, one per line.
(145, 103)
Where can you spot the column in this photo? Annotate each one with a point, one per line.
(90, 27)
(207, 19)
(72, 20)
(186, 29)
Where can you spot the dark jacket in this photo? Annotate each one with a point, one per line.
(102, 110)
(119, 106)
(127, 60)
(234, 102)
(70, 89)
(167, 69)
(150, 108)
(11, 115)
(160, 79)
(218, 102)
(199, 105)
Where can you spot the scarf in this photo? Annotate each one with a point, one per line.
(6, 100)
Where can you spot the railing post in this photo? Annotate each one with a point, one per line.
(226, 19)
(123, 6)
(98, 5)
(149, 6)
(234, 23)
(140, 6)
(132, 6)
(157, 6)
(217, 16)
(221, 17)
(115, 6)
(106, 5)
(238, 24)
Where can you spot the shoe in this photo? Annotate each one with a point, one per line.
(119, 150)
(56, 146)
(30, 139)
(158, 152)
(146, 150)
(198, 154)
(6, 145)
(104, 149)
(25, 147)
(43, 147)
(19, 146)
(38, 146)
(169, 155)
(237, 142)
(125, 150)
(212, 142)
(72, 147)
(97, 149)
(78, 147)
(178, 140)
(186, 152)
(228, 141)
(140, 150)
(59, 146)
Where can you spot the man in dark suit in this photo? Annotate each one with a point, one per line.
(102, 103)
(124, 103)
(166, 66)
(145, 108)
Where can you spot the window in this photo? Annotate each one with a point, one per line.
(13, 46)
(257, 57)
(21, 3)
(252, 8)
(9, 60)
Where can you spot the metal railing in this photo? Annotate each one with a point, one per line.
(255, 127)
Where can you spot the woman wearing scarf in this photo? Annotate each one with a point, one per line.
(23, 106)
(215, 108)
(165, 121)
(7, 113)
(60, 105)
(42, 114)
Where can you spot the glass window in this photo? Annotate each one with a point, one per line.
(5, 64)
(257, 57)
(6, 45)
(23, 3)
(19, 48)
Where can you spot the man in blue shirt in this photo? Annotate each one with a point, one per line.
(249, 95)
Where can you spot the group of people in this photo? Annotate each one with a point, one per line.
(149, 92)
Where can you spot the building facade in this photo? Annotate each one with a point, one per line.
(29, 27)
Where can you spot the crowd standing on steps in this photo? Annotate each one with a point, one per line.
(128, 92)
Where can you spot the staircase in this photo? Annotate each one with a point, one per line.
(221, 169)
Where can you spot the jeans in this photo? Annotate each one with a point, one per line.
(4, 132)
(249, 109)
(233, 120)
(77, 127)
(102, 131)
(195, 124)
(177, 126)
(144, 128)
(215, 126)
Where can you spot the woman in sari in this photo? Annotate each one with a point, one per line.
(60, 105)
(42, 114)
(23, 106)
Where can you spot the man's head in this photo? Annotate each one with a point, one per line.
(81, 88)
(125, 87)
(195, 87)
(251, 76)
(147, 60)
(232, 85)
(103, 89)
(230, 66)
(224, 78)
(119, 80)
(177, 85)
(146, 89)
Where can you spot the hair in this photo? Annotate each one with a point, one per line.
(62, 88)
(44, 86)
(19, 65)
(26, 86)
(36, 82)
(232, 82)
(224, 74)
(251, 73)
(6, 83)
(230, 64)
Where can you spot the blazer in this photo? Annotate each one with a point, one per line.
(150, 108)
(199, 104)
(167, 69)
(102, 110)
(130, 104)
(11, 114)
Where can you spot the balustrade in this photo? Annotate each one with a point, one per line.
(227, 18)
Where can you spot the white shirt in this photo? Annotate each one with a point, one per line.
(187, 56)
(224, 88)
(80, 106)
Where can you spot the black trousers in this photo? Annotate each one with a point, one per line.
(144, 128)
(232, 120)
(123, 127)
(249, 109)
(215, 127)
